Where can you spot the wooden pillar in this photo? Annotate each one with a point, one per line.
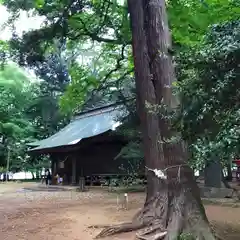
(52, 165)
(55, 165)
(82, 184)
(74, 180)
(54, 169)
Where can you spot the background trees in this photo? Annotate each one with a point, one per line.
(28, 112)
(17, 93)
(209, 91)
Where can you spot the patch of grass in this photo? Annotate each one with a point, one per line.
(186, 236)
(28, 180)
(128, 189)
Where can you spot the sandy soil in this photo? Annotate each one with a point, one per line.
(67, 215)
(13, 186)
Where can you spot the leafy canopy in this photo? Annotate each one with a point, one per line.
(106, 24)
(210, 91)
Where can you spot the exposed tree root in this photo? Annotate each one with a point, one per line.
(151, 233)
(156, 236)
(100, 226)
(125, 227)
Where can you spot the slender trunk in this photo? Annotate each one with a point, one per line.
(8, 161)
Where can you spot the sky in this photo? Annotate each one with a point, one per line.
(24, 23)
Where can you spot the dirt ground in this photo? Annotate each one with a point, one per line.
(66, 215)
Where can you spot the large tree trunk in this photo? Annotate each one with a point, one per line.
(173, 205)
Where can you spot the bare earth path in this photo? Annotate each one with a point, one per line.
(67, 215)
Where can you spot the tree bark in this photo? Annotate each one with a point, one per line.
(173, 205)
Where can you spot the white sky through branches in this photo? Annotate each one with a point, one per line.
(24, 23)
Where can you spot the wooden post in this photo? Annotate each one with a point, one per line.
(8, 161)
(54, 162)
(91, 180)
(74, 170)
(54, 170)
(82, 184)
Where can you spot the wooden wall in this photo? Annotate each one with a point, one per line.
(93, 159)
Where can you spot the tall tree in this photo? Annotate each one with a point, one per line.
(173, 205)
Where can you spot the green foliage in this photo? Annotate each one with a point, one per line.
(82, 82)
(4, 49)
(106, 75)
(106, 24)
(27, 113)
(114, 62)
(189, 20)
(133, 155)
(16, 93)
(209, 93)
(44, 112)
(208, 116)
(186, 236)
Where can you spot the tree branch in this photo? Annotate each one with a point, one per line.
(118, 64)
(97, 38)
(104, 86)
